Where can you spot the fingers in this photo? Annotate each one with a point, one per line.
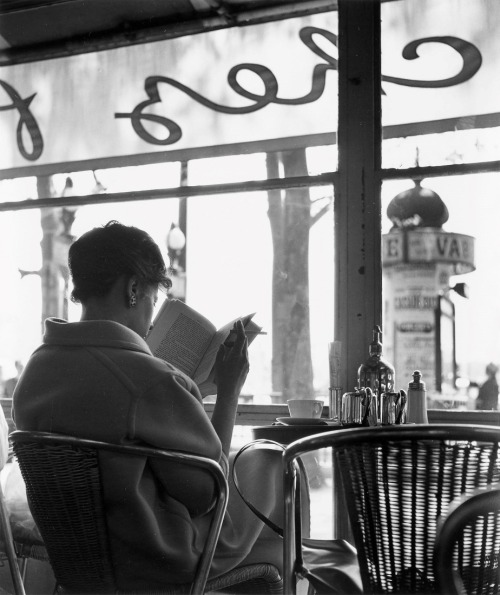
(237, 339)
(232, 363)
(241, 342)
(220, 355)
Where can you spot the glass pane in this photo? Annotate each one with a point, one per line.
(235, 90)
(242, 255)
(230, 273)
(227, 169)
(319, 470)
(429, 325)
(318, 467)
(440, 60)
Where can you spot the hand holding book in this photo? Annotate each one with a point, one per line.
(231, 338)
(231, 364)
(190, 342)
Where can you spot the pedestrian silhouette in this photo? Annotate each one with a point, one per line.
(487, 397)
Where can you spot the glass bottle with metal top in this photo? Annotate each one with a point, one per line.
(376, 373)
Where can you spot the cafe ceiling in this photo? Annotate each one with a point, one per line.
(32, 30)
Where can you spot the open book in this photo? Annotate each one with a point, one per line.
(189, 341)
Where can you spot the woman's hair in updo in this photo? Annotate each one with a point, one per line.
(98, 258)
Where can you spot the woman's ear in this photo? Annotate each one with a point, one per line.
(131, 291)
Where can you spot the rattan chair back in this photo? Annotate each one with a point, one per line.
(397, 482)
(64, 493)
(467, 548)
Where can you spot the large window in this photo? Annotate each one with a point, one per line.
(240, 148)
(439, 110)
(465, 336)
(240, 251)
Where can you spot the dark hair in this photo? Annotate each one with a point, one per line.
(98, 258)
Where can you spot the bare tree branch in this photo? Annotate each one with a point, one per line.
(317, 216)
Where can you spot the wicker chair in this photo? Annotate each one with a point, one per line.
(467, 548)
(63, 485)
(397, 481)
(18, 545)
(9, 548)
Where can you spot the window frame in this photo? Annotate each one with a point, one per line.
(357, 186)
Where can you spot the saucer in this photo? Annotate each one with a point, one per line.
(301, 421)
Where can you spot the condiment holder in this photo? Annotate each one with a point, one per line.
(392, 408)
(359, 408)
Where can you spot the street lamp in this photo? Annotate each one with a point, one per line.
(462, 289)
(176, 241)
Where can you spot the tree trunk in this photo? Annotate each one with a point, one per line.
(276, 219)
(290, 218)
(55, 243)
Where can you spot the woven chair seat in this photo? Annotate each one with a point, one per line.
(27, 541)
(254, 578)
(26, 544)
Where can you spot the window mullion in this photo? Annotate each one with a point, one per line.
(357, 196)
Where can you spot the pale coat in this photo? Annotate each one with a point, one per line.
(99, 380)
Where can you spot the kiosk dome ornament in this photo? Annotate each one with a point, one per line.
(417, 238)
(417, 207)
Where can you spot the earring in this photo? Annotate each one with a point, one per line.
(132, 301)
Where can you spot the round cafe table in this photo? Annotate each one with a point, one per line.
(285, 434)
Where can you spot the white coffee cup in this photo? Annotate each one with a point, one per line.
(305, 407)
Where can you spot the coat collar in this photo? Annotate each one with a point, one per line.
(96, 333)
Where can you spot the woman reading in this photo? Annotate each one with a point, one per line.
(97, 379)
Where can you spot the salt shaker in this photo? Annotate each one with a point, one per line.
(417, 400)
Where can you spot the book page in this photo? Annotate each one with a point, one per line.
(180, 336)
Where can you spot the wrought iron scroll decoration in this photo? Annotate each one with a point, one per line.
(471, 62)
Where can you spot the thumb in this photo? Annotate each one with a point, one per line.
(220, 355)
